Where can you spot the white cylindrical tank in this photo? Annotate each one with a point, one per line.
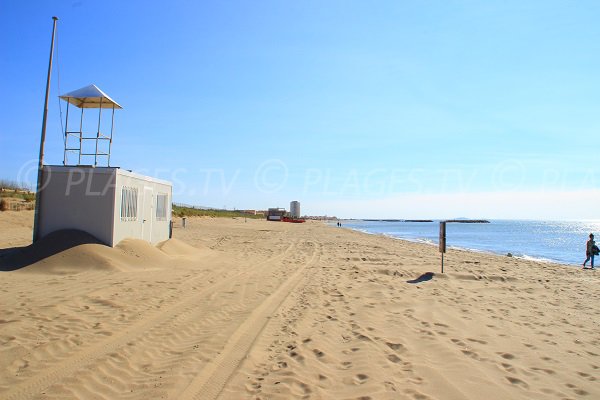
(295, 209)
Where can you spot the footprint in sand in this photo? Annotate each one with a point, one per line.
(477, 341)
(394, 358)
(296, 356)
(508, 367)
(360, 379)
(280, 365)
(577, 390)
(346, 364)
(546, 370)
(586, 376)
(416, 395)
(300, 388)
(318, 353)
(253, 387)
(517, 382)
(395, 346)
(360, 336)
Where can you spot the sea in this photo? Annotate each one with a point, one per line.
(548, 241)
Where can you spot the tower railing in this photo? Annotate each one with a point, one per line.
(83, 145)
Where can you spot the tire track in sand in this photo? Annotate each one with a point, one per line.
(69, 366)
(211, 380)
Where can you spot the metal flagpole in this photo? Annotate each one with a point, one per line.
(39, 188)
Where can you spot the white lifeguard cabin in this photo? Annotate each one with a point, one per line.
(107, 202)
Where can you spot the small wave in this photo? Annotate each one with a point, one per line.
(472, 250)
(394, 236)
(416, 240)
(364, 231)
(518, 256)
(538, 259)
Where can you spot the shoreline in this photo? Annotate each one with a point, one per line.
(568, 259)
(458, 248)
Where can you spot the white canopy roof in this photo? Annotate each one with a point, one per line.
(90, 97)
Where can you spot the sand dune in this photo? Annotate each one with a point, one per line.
(72, 251)
(233, 309)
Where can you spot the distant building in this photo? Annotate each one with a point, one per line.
(252, 212)
(295, 209)
(275, 214)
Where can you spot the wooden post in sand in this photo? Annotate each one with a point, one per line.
(442, 245)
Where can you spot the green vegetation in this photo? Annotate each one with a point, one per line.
(17, 195)
(8, 184)
(10, 189)
(179, 211)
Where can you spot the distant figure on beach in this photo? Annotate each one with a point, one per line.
(590, 251)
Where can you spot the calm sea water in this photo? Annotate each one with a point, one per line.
(562, 242)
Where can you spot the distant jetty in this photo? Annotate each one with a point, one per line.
(398, 220)
(469, 221)
(460, 221)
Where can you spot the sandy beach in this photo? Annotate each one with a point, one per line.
(236, 309)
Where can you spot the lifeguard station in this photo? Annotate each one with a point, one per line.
(77, 143)
(87, 194)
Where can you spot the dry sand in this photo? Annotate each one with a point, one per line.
(233, 309)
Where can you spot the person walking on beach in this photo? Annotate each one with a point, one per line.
(590, 248)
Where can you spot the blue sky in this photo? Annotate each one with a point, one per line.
(391, 109)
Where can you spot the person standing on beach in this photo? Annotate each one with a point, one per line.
(589, 251)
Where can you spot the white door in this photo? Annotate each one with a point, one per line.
(147, 213)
